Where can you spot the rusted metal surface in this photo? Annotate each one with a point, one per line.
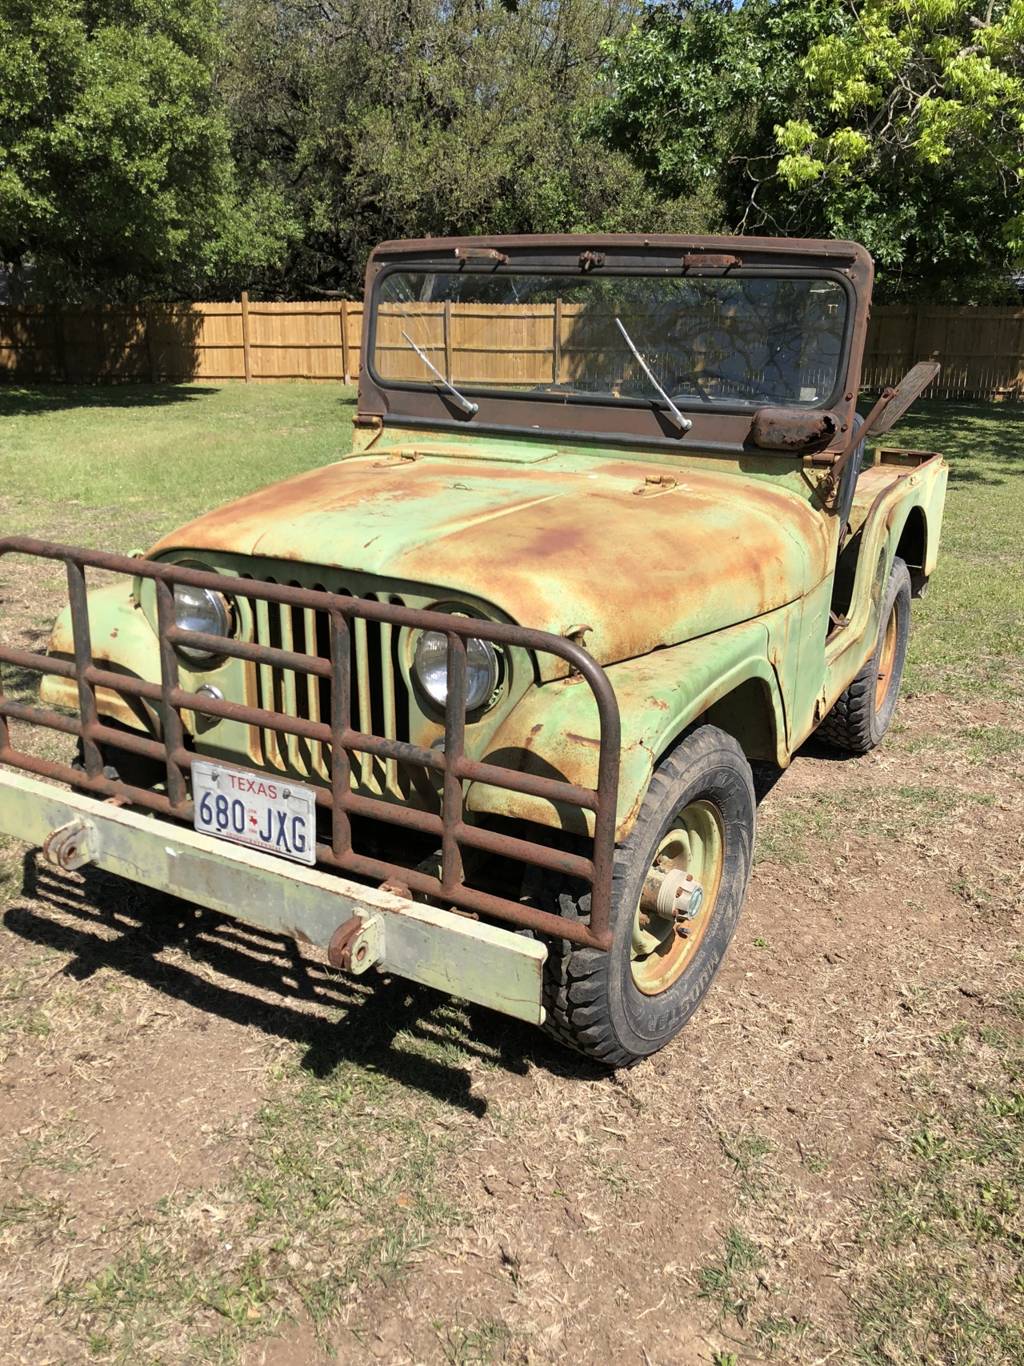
(532, 538)
(710, 260)
(846, 263)
(344, 614)
(67, 847)
(339, 950)
(480, 254)
(791, 429)
(886, 411)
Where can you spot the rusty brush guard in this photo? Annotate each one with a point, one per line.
(339, 798)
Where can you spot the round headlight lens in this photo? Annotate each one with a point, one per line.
(200, 609)
(430, 665)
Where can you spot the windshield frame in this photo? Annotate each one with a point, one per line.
(589, 415)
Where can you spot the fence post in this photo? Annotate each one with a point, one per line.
(448, 368)
(345, 360)
(246, 354)
(148, 313)
(916, 355)
(557, 346)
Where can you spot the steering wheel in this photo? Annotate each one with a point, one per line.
(754, 390)
(698, 387)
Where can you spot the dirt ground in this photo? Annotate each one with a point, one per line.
(217, 1149)
(578, 1214)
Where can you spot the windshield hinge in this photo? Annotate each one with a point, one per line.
(709, 262)
(481, 254)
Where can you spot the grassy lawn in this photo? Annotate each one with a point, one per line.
(969, 633)
(326, 1141)
(156, 455)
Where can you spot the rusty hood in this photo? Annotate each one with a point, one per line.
(557, 541)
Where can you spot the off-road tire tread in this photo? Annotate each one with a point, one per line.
(575, 979)
(848, 725)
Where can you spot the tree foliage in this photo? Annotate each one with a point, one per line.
(896, 122)
(115, 162)
(204, 146)
(377, 120)
(913, 137)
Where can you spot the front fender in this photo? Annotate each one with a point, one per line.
(122, 641)
(554, 732)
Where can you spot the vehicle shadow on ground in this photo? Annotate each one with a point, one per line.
(388, 1024)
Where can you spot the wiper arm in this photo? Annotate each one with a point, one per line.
(467, 405)
(681, 423)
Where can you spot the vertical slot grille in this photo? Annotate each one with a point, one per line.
(379, 695)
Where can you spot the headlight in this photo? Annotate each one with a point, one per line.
(430, 665)
(200, 609)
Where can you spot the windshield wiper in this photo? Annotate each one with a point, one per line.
(681, 423)
(464, 403)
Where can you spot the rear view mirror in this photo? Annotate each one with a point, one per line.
(911, 386)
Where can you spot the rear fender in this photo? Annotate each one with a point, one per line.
(922, 488)
(554, 732)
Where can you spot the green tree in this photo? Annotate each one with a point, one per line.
(698, 90)
(913, 138)
(115, 165)
(896, 123)
(376, 120)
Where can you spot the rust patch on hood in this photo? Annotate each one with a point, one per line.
(543, 541)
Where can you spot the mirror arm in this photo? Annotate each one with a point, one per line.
(856, 436)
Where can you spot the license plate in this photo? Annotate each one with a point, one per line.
(255, 810)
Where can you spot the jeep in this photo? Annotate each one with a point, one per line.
(479, 703)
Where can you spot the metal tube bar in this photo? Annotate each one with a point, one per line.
(39, 716)
(525, 851)
(452, 872)
(532, 785)
(467, 898)
(499, 632)
(341, 710)
(83, 662)
(244, 649)
(103, 787)
(40, 664)
(341, 611)
(174, 736)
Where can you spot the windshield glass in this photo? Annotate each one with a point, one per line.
(703, 340)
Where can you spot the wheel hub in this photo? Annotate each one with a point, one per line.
(670, 894)
(677, 898)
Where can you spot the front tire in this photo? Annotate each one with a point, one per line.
(698, 817)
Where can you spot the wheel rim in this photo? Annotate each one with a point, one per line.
(663, 944)
(887, 658)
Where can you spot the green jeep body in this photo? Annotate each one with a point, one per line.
(731, 575)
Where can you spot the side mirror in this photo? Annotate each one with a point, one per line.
(790, 429)
(911, 387)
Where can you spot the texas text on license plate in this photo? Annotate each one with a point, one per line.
(254, 809)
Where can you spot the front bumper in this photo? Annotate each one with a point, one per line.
(360, 927)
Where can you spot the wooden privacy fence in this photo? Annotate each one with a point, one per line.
(161, 342)
(981, 349)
